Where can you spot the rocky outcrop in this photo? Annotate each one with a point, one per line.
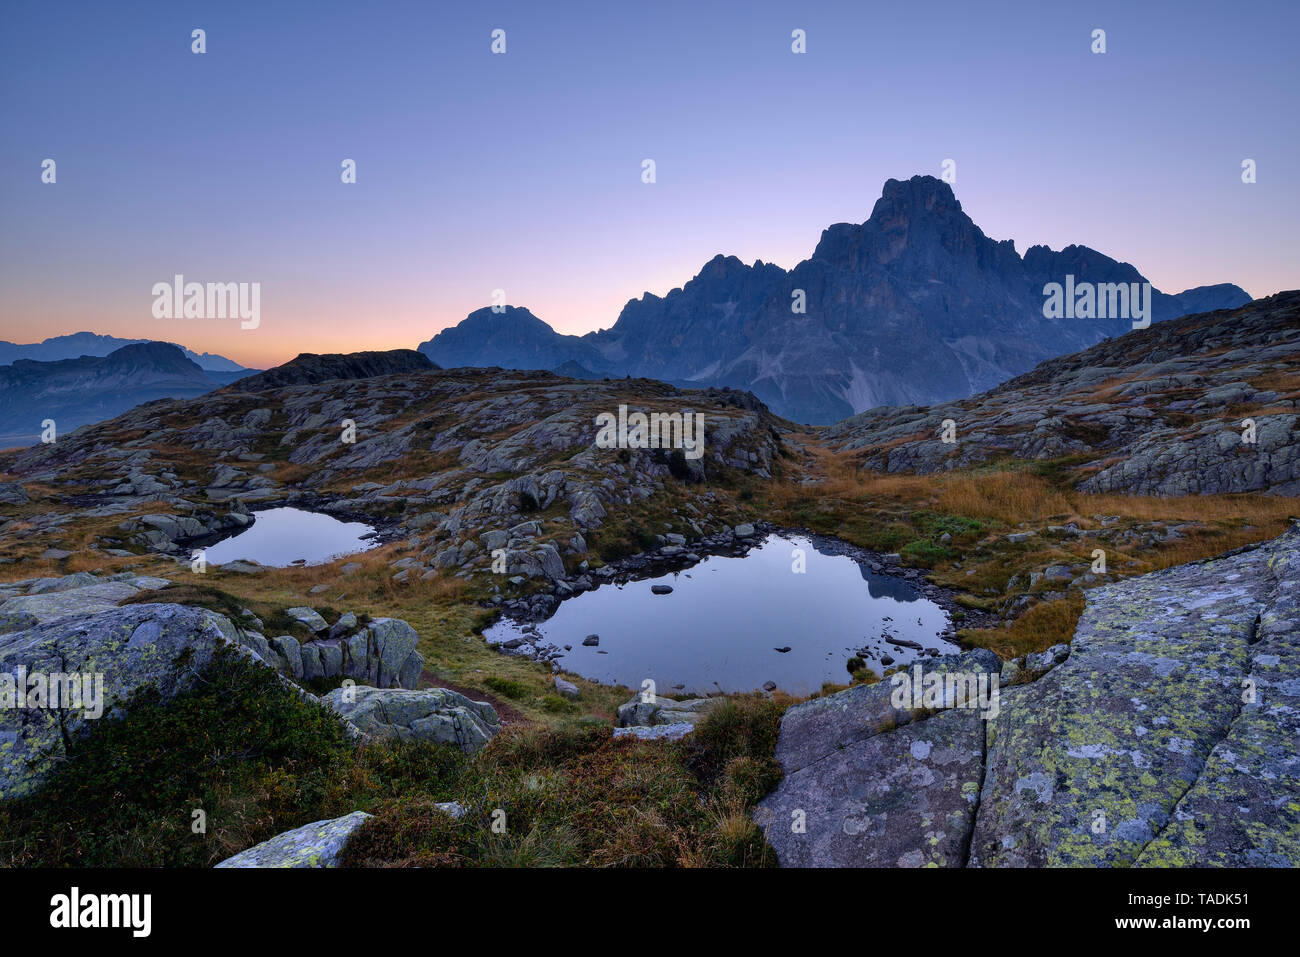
(870, 784)
(1166, 736)
(318, 844)
(40, 601)
(12, 493)
(380, 653)
(73, 626)
(1206, 404)
(308, 368)
(432, 714)
(489, 463)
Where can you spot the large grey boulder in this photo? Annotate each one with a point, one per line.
(1168, 735)
(318, 844)
(430, 714)
(46, 600)
(390, 641)
(123, 650)
(869, 784)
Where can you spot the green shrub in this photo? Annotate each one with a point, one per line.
(508, 687)
(253, 755)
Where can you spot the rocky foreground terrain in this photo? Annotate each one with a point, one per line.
(1156, 728)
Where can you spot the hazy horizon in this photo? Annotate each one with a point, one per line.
(522, 171)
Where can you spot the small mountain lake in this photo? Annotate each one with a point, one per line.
(287, 536)
(722, 625)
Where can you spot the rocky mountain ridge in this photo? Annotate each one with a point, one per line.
(79, 344)
(1160, 411)
(74, 392)
(916, 305)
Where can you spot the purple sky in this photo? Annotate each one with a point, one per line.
(522, 171)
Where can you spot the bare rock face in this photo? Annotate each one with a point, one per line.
(39, 601)
(1165, 737)
(1168, 737)
(868, 784)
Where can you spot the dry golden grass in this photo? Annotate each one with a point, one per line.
(1014, 497)
(1046, 624)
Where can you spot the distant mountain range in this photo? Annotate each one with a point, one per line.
(80, 344)
(914, 306)
(78, 391)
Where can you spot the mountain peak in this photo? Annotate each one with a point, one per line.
(159, 355)
(506, 314)
(920, 193)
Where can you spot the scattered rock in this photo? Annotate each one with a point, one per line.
(308, 616)
(313, 845)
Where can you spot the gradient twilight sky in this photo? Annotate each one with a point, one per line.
(522, 171)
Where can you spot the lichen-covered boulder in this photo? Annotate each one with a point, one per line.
(318, 844)
(430, 714)
(1168, 735)
(42, 601)
(1163, 736)
(390, 642)
(118, 652)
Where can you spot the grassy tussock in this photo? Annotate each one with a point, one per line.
(575, 796)
(1045, 624)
